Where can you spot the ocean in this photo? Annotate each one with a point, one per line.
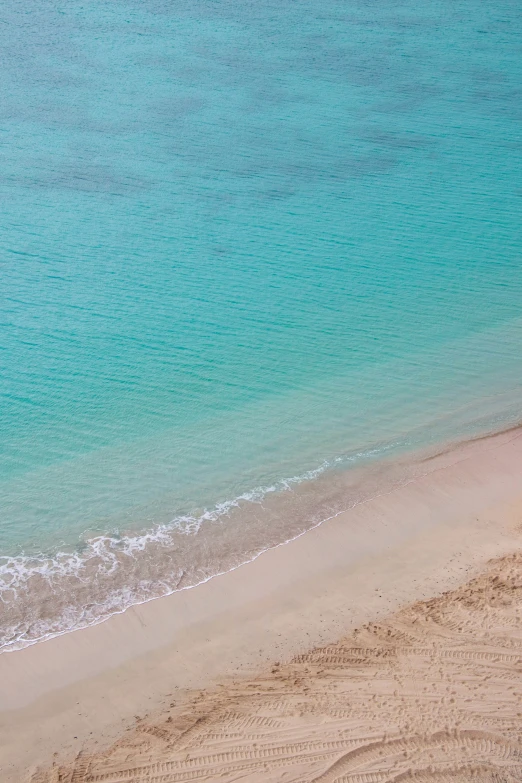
(248, 252)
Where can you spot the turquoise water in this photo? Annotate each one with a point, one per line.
(240, 244)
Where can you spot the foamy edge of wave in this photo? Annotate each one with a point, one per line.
(16, 571)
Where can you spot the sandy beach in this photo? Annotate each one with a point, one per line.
(384, 645)
(261, 392)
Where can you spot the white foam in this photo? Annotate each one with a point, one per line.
(106, 552)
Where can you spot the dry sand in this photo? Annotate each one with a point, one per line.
(181, 689)
(432, 693)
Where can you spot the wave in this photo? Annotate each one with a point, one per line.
(46, 595)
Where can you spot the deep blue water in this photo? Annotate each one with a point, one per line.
(241, 241)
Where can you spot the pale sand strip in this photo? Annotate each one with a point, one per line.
(71, 692)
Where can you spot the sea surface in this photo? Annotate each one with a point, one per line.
(247, 251)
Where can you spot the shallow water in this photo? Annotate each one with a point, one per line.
(240, 244)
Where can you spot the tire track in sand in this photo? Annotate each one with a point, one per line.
(431, 695)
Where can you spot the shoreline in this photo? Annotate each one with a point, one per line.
(346, 483)
(410, 459)
(239, 510)
(407, 544)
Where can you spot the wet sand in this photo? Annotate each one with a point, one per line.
(272, 671)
